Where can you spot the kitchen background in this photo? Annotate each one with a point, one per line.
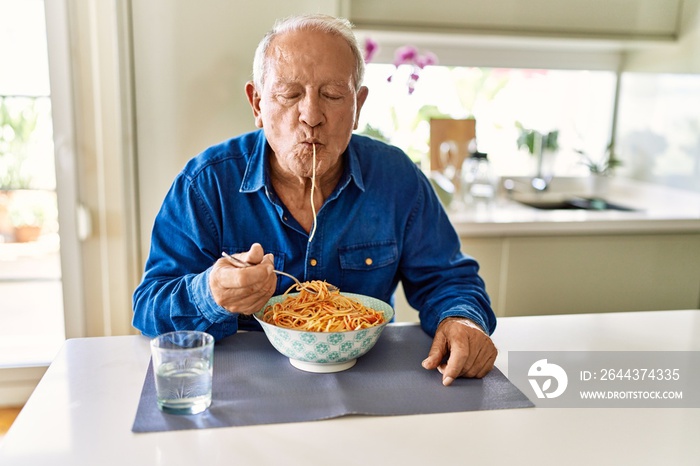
(125, 92)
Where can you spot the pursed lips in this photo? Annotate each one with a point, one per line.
(308, 145)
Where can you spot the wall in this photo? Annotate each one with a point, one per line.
(682, 56)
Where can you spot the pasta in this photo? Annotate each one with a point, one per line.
(326, 311)
(313, 186)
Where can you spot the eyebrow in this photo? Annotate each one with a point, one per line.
(287, 81)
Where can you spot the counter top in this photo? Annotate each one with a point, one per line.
(655, 209)
(83, 409)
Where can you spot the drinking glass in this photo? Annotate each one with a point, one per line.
(183, 363)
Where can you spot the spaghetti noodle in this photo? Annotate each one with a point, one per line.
(313, 186)
(321, 310)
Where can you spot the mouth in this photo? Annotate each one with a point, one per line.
(309, 146)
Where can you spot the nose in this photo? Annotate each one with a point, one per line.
(310, 111)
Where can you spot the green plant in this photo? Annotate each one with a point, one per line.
(528, 138)
(374, 133)
(17, 124)
(606, 165)
(27, 215)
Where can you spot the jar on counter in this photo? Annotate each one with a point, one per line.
(478, 181)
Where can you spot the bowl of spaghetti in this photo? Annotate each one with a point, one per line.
(325, 331)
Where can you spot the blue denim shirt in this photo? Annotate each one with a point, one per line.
(382, 224)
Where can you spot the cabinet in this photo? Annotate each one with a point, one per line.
(544, 275)
(622, 19)
(488, 252)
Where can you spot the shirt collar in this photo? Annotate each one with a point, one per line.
(257, 174)
(256, 171)
(353, 165)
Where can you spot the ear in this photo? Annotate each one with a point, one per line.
(254, 100)
(361, 98)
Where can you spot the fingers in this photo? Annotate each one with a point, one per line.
(269, 259)
(244, 290)
(475, 362)
(254, 255)
(460, 358)
(437, 352)
(488, 365)
(471, 352)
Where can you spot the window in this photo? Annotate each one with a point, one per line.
(31, 314)
(658, 128)
(577, 103)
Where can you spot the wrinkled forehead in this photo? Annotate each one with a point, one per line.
(310, 54)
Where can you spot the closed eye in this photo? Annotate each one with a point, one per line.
(288, 99)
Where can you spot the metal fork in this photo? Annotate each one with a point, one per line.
(242, 264)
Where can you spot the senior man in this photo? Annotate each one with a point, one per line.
(370, 220)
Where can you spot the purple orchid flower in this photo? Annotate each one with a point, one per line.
(405, 55)
(426, 60)
(371, 48)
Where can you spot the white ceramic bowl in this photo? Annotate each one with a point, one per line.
(325, 351)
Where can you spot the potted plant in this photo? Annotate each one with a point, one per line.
(539, 144)
(16, 127)
(17, 123)
(606, 165)
(27, 221)
(601, 170)
(535, 140)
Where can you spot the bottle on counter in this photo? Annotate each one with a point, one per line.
(478, 181)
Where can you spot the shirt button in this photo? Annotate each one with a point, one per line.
(368, 261)
(313, 262)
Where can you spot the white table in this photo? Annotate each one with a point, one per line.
(83, 409)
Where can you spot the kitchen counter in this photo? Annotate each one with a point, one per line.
(656, 209)
(83, 410)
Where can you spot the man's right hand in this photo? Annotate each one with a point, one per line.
(244, 290)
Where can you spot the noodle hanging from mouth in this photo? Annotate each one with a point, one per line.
(325, 311)
(313, 186)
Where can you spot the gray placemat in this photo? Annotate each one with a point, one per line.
(254, 384)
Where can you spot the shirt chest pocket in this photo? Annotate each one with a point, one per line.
(368, 256)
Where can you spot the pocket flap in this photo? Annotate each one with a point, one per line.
(368, 256)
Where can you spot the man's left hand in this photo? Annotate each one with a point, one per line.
(470, 352)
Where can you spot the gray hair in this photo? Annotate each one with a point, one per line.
(336, 26)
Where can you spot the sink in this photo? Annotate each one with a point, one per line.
(561, 193)
(574, 203)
